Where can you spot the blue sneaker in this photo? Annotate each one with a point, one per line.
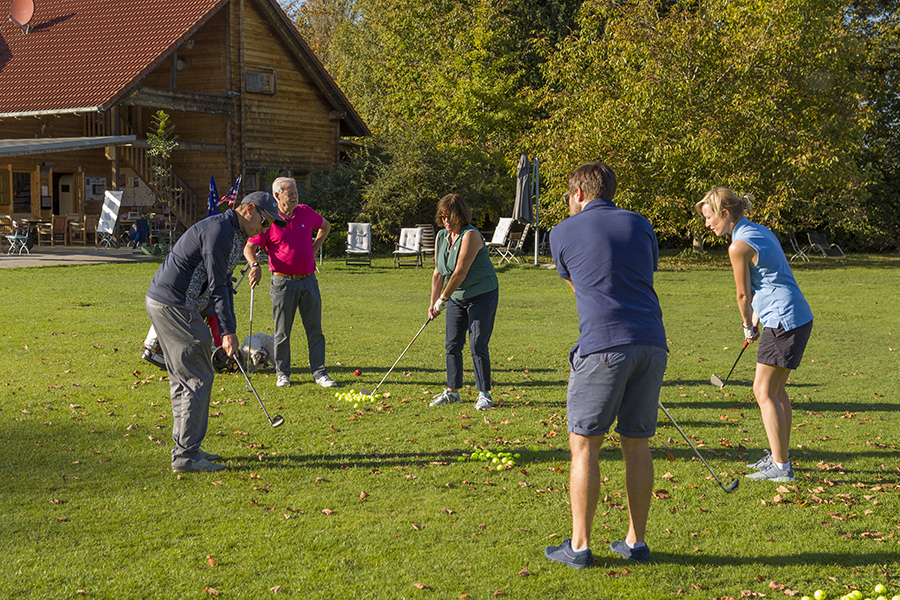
(484, 401)
(565, 555)
(445, 397)
(640, 553)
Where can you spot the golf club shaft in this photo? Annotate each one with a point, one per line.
(691, 444)
(741, 353)
(401, 356)
(237, 361)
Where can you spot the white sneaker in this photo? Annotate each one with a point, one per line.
(325, 381)
(283, 381)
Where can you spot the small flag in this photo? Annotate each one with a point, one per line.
(231, 197)
(213, 206)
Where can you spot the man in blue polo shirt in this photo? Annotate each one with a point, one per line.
(198, 267)
(608, 256)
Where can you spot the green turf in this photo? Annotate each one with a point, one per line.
(89, 505)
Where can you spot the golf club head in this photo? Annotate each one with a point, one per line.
(717, 381)
(277, 421)
(732, 486)
(365, 392)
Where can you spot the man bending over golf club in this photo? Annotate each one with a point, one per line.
(767, 293)
(608, 256)
(213, 244)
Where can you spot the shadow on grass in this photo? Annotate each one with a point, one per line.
(823, 559)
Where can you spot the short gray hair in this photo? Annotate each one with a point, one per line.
(279, 184)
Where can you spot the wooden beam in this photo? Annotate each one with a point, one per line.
(211, 104)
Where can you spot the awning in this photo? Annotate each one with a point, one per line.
(23, 147)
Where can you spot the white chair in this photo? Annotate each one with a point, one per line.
(359, 244)
(500, 239)
(408, 250)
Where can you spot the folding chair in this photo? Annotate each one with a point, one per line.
(818, 243)
(500, 239)
(515, 248)
(18, 239)
(798, 250)
(359, 244)
(409, 249)
(427, 238)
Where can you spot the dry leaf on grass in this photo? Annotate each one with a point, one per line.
(211, 591)
(275, 589)
(211, 561)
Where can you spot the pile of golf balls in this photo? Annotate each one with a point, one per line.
(499, 460)
(878, 594)
(354, 397)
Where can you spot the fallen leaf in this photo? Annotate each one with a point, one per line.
(327, 511)
(416, 526)
(363, 495)
(275, 589)
(211, 591)
(211, 561)
(420, 586)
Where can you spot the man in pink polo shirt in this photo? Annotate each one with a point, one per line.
(292, 261)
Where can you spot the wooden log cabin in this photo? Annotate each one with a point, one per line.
(77, 92)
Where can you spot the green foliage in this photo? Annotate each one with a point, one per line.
(162, 140)
(758, 96)
(367, 502)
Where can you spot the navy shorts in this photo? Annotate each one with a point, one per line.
(618, 384)
(783, 348)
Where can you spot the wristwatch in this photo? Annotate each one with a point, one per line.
(256, 264)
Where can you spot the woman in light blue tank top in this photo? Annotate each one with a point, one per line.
(767, 295)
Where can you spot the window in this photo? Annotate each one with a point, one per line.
(260, 80)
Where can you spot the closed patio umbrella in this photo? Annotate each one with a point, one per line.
(522, 208)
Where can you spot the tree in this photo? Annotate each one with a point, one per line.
(162, 140)
(758, 95)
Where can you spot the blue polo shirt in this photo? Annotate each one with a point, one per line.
(210, 242)
(610, 255)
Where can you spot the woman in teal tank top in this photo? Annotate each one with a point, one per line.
(767, 295)
(470, 296)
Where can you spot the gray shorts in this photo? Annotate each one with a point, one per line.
(783, 348)
(618, 384)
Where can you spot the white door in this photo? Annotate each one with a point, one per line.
(66, 194)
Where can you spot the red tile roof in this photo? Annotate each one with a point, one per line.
(88, 53)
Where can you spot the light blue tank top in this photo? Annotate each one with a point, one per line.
(777, 298)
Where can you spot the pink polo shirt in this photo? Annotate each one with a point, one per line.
(290, 248)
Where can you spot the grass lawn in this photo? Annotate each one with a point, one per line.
(374, 502)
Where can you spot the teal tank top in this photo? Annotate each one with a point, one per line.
(481, 277)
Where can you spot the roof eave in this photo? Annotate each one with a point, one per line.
(50, 112)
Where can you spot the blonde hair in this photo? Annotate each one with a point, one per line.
(720, 199)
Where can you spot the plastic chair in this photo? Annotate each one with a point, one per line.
(500, 239)
(409, 249)
(427, 238)
(359, 244)
(515, 248)
(798, 250)
(819, 243)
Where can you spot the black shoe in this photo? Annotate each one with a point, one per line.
(640, 554)
(565, 555)
(198, 466)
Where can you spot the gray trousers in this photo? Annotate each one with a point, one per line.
(186, 340)
(290, 296)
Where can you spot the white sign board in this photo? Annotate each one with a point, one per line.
(111, 203)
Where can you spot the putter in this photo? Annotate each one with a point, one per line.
(731, 486)
(278, 420)
(372, 393)
(715, 378)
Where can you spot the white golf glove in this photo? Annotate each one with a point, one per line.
(751, 333)
(440, 304)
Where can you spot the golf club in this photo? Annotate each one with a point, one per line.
(235, 286)
(732, 486)
(278, 420)
(715, 378)
(372, 393)
(250, 335)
